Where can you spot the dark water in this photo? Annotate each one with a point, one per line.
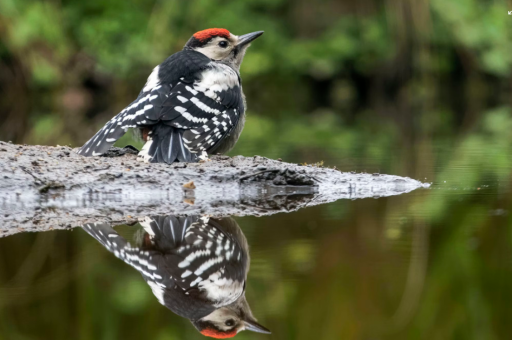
(434, 263)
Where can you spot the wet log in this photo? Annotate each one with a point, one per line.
(44, 187)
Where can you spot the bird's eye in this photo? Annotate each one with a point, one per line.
(230, 323)
(223, 44)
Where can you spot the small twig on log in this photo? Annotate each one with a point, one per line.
(31, 174)
(315, 179)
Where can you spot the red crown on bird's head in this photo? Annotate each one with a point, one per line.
(211, 332)
(212, 32)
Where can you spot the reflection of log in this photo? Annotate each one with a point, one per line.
(52, 187)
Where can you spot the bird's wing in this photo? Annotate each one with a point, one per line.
(207, 106)
(146, 262)
(146, 109)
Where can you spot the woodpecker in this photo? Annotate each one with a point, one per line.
(196, 266)
(192, 104)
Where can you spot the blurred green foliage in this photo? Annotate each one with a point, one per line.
(76, 64)
(416, 88)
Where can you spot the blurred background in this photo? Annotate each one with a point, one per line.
(329, 79)
(418, 88)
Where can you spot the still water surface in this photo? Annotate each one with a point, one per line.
(434, 263)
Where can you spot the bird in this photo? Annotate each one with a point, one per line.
(192, 104)
(196, 266)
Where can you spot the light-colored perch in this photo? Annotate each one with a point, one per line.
(44, 188)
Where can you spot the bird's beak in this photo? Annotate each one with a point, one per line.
(255, 327)
(247, 38)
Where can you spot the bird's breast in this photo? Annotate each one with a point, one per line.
(219, 77)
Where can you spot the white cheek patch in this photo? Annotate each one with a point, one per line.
(219, 316)
(213, 51)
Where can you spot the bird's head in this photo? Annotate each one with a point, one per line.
(227, 321)
(220, 45)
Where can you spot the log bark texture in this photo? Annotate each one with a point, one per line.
(44, 188)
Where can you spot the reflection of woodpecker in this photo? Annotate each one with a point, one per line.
(195, 266)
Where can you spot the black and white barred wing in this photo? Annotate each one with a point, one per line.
(200, 111)
(148, 263)
(207, 106)
(142, 112)
(206, 260)
(146, 109)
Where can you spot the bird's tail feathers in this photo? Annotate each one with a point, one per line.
(165, 145)
(167, 232)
